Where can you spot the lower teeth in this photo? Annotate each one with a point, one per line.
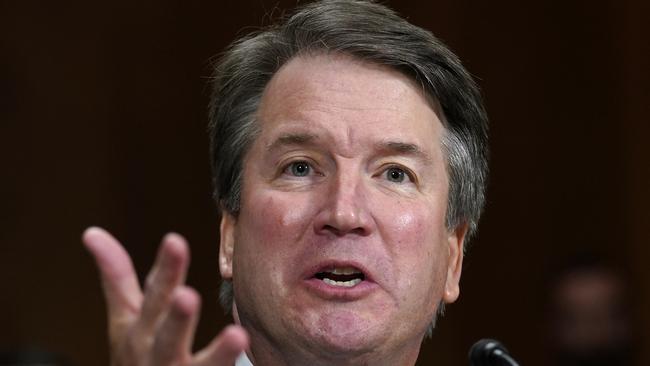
(350, 283)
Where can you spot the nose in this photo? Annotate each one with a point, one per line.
(345, 209)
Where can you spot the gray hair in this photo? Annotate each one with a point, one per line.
(370, 32)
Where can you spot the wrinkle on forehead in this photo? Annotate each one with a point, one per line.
(307, 104)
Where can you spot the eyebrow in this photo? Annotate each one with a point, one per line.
(383, 147)
(291, 139)
(403, 148)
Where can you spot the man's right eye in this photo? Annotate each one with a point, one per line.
(298, 169)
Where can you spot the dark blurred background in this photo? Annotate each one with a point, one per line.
(103, 119)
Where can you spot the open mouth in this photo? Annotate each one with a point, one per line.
(341, 276)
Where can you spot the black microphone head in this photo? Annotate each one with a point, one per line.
(482, 352)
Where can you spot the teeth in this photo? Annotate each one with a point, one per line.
(345, 271)
(350, 283)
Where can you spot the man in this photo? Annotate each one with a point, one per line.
(350, 157)
(590, 321)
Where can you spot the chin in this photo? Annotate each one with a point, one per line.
(346, 333)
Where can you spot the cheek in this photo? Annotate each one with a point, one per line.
(411, 227)
(274, 221)
(268, 230)
(416, 237)
(407, 226)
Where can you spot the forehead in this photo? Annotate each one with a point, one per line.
(338, 96)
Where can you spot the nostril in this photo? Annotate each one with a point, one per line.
(339, 232)
(331, 228)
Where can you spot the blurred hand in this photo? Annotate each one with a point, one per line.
(156, 327)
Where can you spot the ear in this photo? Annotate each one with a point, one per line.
(226, 244)
(455, 242)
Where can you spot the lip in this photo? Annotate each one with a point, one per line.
(336, 293)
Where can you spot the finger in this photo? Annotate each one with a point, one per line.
(166, 275)
(173, 341)
(224, 349)
(119, 281)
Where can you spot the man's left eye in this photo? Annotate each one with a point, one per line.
(299, 169)
(396, 175)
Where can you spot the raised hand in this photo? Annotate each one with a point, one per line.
(156, 328)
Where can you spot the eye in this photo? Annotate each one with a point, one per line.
(396, 174)
(298, 169)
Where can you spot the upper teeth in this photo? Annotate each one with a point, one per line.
(344, 271)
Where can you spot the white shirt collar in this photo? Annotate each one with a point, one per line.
(243, 360)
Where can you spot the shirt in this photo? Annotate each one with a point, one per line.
(243, 360)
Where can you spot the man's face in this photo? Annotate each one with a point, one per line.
(340, 244)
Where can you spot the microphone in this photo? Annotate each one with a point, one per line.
(489, 352)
